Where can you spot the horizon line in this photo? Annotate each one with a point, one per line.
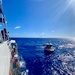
(42, 37)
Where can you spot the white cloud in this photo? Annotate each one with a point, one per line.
(42, 33)
(34, 33)
(17, 27)
(52, 31)
(15, 34)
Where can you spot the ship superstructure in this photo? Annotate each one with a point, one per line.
(3, 22)
(4, 48)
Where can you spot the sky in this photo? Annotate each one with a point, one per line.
(40, 18)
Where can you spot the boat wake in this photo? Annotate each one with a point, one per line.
(23, 66)
(69, 45)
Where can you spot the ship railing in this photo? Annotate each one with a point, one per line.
(17, 69)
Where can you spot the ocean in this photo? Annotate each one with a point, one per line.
(60, 62)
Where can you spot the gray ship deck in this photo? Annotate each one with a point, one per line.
(4, 59)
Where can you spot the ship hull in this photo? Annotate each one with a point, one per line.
(48, 51)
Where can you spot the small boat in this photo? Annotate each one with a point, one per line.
(49, 48)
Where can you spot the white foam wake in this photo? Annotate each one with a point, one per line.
(66, 46)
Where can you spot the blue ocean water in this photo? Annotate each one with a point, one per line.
(61, 62)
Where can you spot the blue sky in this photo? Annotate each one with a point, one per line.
(40, 18)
